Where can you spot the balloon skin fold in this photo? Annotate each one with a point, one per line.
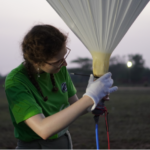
(99, 24)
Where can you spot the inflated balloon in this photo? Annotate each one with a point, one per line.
(99, 24)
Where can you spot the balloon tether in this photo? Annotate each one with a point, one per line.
(103, 110)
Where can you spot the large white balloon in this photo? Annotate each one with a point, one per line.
(99, 24)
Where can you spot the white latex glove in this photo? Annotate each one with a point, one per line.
(106, 98)
(100, 88)
(91, 80)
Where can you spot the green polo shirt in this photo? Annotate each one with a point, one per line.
(25, 101)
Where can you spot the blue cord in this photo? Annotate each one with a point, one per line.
(96, 133)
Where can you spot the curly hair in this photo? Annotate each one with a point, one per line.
(40, 44)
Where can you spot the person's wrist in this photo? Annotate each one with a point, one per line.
(93, 104)
(90, 100)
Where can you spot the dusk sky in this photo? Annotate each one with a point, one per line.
(18, 16)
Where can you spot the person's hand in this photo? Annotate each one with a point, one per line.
(100, 88)
(106, 98)
(91, 80)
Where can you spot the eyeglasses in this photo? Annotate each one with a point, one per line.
(60, 62)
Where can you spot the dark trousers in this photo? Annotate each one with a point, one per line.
(63, 142)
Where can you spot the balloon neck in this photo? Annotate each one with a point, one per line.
(95, 77)
(100, 63)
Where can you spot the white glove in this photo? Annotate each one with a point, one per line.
(100, 88)
(91, 80)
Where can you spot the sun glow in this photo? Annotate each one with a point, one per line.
(129, 64)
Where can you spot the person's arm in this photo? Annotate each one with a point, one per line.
(46, 127)
(74, 99)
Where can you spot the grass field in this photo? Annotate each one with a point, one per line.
(129, 122)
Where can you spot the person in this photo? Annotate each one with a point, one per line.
(41, 96)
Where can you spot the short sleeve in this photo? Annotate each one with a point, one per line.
(70, 86)
(21, 102)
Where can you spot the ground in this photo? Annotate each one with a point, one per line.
(129, 123)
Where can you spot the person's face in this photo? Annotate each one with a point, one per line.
(56, 61)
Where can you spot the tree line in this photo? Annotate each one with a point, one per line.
(137, 75)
